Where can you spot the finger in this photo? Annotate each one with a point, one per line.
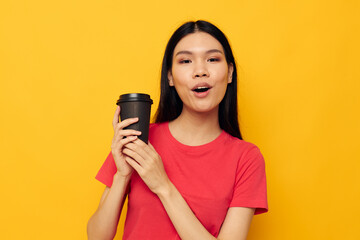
(128, 132)
(129, 135)
(133, 164)
(127, 140)
(120, 141)
(153, 150)
(116, 116)
(134, 155)
(141, 150)
(126, 123)
(148, 148)
(151, 146)
(125, 134)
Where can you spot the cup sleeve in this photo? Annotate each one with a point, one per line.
(250, 184)
(107, 171)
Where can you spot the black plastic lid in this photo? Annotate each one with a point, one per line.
(134, 97)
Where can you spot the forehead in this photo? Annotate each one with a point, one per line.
(198, 41)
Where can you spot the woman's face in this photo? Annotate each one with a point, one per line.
(199, 72)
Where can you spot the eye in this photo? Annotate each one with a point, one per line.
(185, 61)
(213, 60)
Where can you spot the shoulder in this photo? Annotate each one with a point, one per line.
(246, 153)
(241, 146)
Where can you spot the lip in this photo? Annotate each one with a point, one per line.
(203, 84)
(201, 94)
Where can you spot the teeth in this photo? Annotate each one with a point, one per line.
(201, 89)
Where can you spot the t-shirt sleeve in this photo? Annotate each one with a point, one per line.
(250, 184)
(107, 171)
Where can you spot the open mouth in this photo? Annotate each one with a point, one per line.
(201, 89)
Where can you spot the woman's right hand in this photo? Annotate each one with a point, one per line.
(119, 140)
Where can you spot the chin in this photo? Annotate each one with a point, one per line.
(205, 109)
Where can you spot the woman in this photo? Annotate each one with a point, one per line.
(196, 179)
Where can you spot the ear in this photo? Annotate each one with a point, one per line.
(170, 79)
(230, 72)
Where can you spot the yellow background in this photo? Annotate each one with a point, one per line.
(63, 65)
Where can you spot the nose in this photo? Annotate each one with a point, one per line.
(200, 71)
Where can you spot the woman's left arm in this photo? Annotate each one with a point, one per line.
(235, 226)
(148, 164)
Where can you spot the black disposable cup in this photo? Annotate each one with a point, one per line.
(136, 105)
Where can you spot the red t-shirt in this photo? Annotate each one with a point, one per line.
(227, 172)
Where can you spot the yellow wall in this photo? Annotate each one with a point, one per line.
(63, 64)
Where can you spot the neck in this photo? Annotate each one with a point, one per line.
(194, 128)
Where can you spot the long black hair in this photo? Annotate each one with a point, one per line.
(170, 105)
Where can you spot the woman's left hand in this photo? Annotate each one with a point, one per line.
(148, 164)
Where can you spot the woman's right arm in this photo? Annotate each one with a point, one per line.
(103, 223)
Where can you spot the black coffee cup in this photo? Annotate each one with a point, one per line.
(136, 105)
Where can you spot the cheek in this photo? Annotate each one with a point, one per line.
(180, 73)
(179, 80)
(219, 72)
(179, 85)
(221, 91)
(222, 82)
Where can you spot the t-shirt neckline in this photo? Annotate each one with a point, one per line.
(207, 146)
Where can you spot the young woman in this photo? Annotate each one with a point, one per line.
(196, 179)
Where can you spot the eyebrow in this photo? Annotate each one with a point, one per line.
(207, 52)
